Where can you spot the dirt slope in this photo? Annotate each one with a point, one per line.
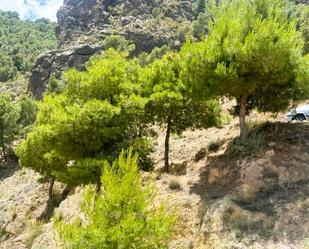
(258, 200)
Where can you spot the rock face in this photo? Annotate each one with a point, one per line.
(83, 24)
(55, 62)
(117, 16)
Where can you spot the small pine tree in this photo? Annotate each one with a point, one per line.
(170, 103)
(9, 115)
(122, 215)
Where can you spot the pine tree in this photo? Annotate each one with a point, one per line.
(91, 120)
(122, 214)
(253, 53)
(170, 103)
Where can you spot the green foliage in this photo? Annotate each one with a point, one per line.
(98, 113)
(253, 52)
(199, 7)
(9, 115)
(28, 111)
(169, 98)
(122, 215)
(16, 88)
(7, 68)
(170, 103)
(254, 144)
(157, 53)
(118, 43)
(304, 26)
(55, 85)
(200, 26)
(22, 42)
(143, 146)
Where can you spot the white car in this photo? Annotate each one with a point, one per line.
(301, 113)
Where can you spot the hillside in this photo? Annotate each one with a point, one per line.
(22, 42)
(223, 201)
(156, 124)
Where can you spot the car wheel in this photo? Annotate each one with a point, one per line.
(299, 117)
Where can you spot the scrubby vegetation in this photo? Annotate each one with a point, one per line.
(22, 42)
(122, 214)
(253, 51)
(15, 118)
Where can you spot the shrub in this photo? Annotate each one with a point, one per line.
(54, 85)
(118, 43)
(9, 115)
(28, 112)
(144, 147)
(254, 144)
(214, 146)
(122, 215)
(174, 184)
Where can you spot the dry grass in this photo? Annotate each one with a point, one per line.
(174, 184)
(35, 230)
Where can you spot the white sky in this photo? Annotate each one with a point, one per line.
(33, 9)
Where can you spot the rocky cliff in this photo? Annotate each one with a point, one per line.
(83, 24)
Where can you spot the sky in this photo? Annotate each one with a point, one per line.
(33, 9)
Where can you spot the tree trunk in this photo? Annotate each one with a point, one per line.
(50, 189)
(2, 138)
(242, 117)
(167, 140)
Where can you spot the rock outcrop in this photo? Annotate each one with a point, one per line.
(55, 62)
(83, 24)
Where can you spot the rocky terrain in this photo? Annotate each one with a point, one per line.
(82, 25)
(223, 200)
(225, 194)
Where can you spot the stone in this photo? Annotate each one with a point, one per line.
(82, 25)
(56, 62)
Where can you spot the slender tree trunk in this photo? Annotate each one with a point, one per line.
(2, 138)
(3, 149)
(167, 140)
(242, 117)
(50, 189)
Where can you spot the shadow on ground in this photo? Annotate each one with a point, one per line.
(8, 167)
(275, 166)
